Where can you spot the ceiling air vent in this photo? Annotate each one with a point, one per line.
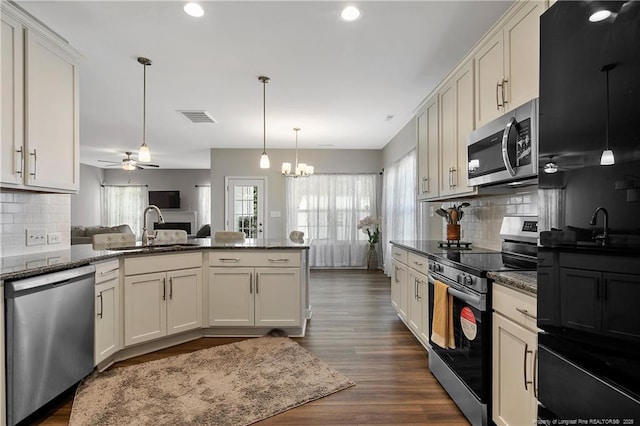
(198, 116)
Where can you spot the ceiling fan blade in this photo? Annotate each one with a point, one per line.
(149, 165)
(109, 161)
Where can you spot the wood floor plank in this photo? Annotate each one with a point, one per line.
(356, 331)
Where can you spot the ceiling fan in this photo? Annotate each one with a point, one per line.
(128, 163)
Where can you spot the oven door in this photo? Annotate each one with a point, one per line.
(470, 360)
(505, 150)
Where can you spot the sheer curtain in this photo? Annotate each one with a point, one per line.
(204, 205)
(327, 209)
(124, 204)
(399, 204)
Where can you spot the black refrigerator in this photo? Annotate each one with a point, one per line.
(589, 219)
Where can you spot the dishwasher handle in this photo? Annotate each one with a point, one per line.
(41, 282)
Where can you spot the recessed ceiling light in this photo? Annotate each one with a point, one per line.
(600, 15)
(350, 14)
(193, 9)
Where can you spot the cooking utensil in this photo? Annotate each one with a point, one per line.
(454, 216)
(442, 212)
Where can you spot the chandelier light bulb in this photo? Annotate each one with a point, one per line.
(607, 158)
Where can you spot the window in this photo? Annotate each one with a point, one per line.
(399, 204)
(204, 205)
(327, 209)
(124, 205)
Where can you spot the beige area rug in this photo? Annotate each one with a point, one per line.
(235, 384)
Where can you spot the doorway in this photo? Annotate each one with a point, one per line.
(245, 207)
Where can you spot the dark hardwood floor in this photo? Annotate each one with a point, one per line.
(355, 330)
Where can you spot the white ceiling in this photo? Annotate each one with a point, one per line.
(337, 81)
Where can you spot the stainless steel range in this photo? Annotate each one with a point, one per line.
(465, 372)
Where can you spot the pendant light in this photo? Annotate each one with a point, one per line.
(264, 158)
(607, 158)
(301, 169)
(144, 154)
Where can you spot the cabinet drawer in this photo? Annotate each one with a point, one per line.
(255, 258)
(399, 254)
(417, 262)
(515, 305)
(106, 271)
(159, 263)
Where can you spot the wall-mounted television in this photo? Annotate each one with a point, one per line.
(165, 199)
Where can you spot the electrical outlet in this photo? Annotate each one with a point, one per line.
(431, 211)
(54, 237)
(36, 237)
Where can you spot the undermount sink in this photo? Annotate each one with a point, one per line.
(152, 247)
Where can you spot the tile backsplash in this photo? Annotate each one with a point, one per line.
(21, 210)
(483, 218)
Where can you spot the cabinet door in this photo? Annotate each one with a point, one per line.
(107, 320)
(448, 143)
(621, 316)
(145, 307)
(277, 297)
(422, 155)
(184, 307)
(580, 305)
(464, 125)
(514, 401)
(433, 138)
(489, 74)
(399, 289)
(522, 54)
(12, 154)
(231, 300)
(414, 316)
(51, 115)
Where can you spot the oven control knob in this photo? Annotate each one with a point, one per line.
(438, 268)
(467, 280)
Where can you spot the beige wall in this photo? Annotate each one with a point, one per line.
(86, 204)
(244, 162)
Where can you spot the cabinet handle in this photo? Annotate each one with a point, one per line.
(497, 99)
(535, 374)
(425, 187)
(605, 289)
(279, 260)
(103, 273)
(526, 313)
(101, 306)
(170, 288)
(453, 178)
(526, 351)
(229, 259)
(35, 163)
(502, 86)
(418, 297)
(21, 151)
(250, 283)
(257, 288)
(164, 289)
(418, 263)
(395, 275)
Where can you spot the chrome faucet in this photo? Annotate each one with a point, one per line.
(604, 237)
(146, 238)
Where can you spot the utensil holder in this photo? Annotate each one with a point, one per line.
(453, 232)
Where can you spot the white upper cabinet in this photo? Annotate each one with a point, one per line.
(40, 145)
(506, 65)
(428, 137)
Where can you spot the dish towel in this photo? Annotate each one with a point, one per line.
(442, 325)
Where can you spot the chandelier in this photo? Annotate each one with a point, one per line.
(301, 169)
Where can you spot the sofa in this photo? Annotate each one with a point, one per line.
(84, 234)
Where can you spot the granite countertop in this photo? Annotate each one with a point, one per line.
(16, 267)
(524, 281)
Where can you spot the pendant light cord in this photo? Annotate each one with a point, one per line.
(297, 130)
(607, 116)
(264, 116)
(144, 104)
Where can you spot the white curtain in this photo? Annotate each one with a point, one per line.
(204, 205)
(124, 205)
(327, 208)
(399, 204)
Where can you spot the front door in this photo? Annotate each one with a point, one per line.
(245, 206)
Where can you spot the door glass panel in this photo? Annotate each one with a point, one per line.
(245, 212)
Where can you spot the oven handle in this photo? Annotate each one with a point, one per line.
(471, 299)
(505, 149)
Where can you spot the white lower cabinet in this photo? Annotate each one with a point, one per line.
(107, 310)
(399, 289)
(515, 346)
(158, 304)
(254, 297)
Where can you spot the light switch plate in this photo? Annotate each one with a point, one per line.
(54, 237)
(36, 237)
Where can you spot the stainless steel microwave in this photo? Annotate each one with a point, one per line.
(505, 150)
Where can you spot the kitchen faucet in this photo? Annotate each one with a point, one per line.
(604, 237)
(146, 238)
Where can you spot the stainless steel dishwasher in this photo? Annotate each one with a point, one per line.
(49, 332)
